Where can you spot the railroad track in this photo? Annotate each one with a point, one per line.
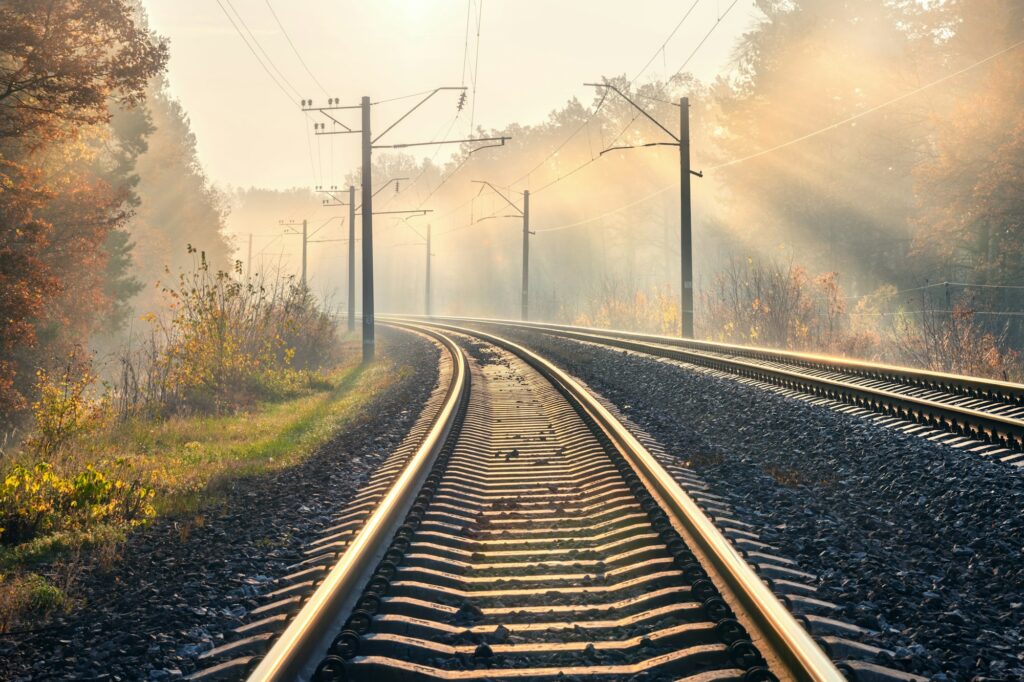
(983, 415)
(532, 536)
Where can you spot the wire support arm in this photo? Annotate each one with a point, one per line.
(635, 106)
(500, 140)
(417, 106)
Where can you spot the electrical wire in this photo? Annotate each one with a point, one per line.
(476, 67)
(253, 51)
(637, 115)
(850, 119)
(270, 74)
(294, 49)
(259, 46)
(666, 42)
(602, 100)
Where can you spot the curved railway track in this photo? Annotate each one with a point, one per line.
(532, 536)
(986, 416)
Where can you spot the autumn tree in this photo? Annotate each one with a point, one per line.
(63, 65)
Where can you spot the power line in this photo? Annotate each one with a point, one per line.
(260, 48)
(706, 36)
(763, 152)
(637, 115)
(476, 66)
(662, 48)
(465, 48)
(270, 74)
(292, 45)
(871, 110)
(601, 102)
(254, 54)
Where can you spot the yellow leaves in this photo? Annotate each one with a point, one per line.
(37, 500)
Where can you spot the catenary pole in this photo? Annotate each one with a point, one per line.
(685, 222)
(351, 258)
(368, 335)
(525, 313)
(305, 237)
(426, 303)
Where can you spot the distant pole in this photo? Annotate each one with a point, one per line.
(304, 238)
(368, 340)
(525, 313)
(248, 260)
(426, 305)
(685, 231)
(351, 258)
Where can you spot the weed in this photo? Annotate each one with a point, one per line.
(29, 596)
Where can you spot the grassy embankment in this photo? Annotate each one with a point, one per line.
(187, 461)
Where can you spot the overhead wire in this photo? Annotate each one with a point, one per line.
(269, 73)
(871, 110)
(294, 49)
(259, 46)
(602, 100)
(253, 51)
(801, 138)
(476, 67)
(622, 132)
(615, 139)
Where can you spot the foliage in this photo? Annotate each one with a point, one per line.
(62, 191)
(65, 410)
(767, 304)
(63, 61)
(39, 500)
(226, 343)
(26, 596)
(955, 341)
(655, 312)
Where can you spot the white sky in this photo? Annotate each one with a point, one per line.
(534, 55)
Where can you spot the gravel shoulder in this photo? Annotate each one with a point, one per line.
(920, 542)
(178, 584)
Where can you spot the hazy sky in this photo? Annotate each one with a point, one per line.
(533, 56)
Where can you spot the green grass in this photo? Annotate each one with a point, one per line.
(189, 461)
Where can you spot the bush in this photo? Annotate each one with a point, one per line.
(28, 595)
(37, 500)
(65, 410)
(227, 342)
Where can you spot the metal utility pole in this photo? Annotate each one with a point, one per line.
(305, 237)
(525, 313)
(369, 342)
(351, 258)
(685, 227)
(426, 302)
(369, 143)
(524, 214)
(685, 224)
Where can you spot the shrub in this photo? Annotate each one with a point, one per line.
(28, 595)
(65, 409)
(227, 342)
(37, 500)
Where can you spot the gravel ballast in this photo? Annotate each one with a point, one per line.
(173, 593)
(920, 542)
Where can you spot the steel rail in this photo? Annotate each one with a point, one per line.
(973, 423)
(792, 646)
(993, 389)
(299, 648)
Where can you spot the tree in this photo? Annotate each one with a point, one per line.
(63, 61)
(62, 65)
